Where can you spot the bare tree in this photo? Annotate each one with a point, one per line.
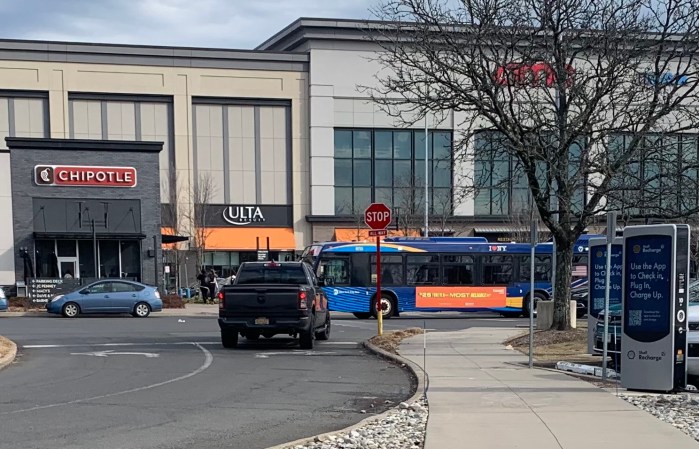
(409, 205)
(583, 98)
(199, 212)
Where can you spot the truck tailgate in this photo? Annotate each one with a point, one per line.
(268, 300)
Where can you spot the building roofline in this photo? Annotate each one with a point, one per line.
(305, 29)
(130, 54)
(298, 32)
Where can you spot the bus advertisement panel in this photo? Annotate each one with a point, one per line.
(460, 297)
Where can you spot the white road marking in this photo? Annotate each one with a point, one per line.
(111, 352)
(208, 360)
(265, 355)
(119, 344)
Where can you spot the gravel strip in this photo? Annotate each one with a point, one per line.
(402, 427)
(680, 410)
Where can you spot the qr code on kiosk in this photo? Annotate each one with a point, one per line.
(635, 317)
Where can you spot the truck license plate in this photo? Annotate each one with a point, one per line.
(261, 320)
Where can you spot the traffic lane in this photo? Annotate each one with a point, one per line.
(261, 386)
(105, 329)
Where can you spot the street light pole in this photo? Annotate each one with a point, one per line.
(427, 192)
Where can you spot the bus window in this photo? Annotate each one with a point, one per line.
(457, 269)
(422, 270)
(336, 269)
(542, 269)
(497, 270)
(391, 269)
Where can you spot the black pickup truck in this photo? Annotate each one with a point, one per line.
(271, 298)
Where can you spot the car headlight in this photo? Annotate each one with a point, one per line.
(56, 298)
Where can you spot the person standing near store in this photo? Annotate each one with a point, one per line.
(212, 285)
(203, 287)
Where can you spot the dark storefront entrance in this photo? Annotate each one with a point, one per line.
(85, 209)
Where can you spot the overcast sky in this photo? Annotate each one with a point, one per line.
(240, 24)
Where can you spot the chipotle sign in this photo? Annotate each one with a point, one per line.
(84, 176)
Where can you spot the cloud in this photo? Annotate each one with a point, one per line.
(239, 24)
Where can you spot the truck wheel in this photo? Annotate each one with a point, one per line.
(325, 333)
(306, 338)
(229, 339)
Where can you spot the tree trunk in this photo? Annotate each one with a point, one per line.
(561, 300)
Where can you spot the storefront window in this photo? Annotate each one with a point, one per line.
(131, 259)
(109, 258)
(86, 259)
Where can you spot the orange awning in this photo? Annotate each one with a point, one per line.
(246, 238)
(359, 235)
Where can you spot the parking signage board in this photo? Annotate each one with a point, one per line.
(654, 310)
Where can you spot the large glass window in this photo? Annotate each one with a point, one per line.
(389, 166)
(661, 179)
(502, 187)
(542, 268)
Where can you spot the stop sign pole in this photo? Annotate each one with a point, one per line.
(378, 216)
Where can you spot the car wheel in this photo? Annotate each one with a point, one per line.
(362, 315)
(70, 310)
(388, 307)
(325, 333)
(141, 310)
(229, 339)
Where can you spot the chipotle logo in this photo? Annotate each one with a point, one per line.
(84, 176)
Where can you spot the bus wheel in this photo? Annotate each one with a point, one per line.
(525, 305)
(388, 307)
(362, 315)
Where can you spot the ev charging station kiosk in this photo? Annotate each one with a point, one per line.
(597, 260)
(654, 296)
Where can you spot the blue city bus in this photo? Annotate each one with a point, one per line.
(431, 274)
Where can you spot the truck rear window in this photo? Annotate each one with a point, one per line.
(271, 275)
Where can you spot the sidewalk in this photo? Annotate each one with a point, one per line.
(479, 398)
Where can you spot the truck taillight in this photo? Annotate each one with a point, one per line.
(221, 304)
(303, 304)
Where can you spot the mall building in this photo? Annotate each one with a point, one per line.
(266, 149)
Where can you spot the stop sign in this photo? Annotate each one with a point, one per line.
(377, 216)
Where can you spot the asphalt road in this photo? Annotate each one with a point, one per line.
(165, 382)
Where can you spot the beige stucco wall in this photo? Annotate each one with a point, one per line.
(182, 83)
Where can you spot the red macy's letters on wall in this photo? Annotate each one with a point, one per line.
(539, 74)
(84, 176)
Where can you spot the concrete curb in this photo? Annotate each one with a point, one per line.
(9, 357)
(414, 369)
